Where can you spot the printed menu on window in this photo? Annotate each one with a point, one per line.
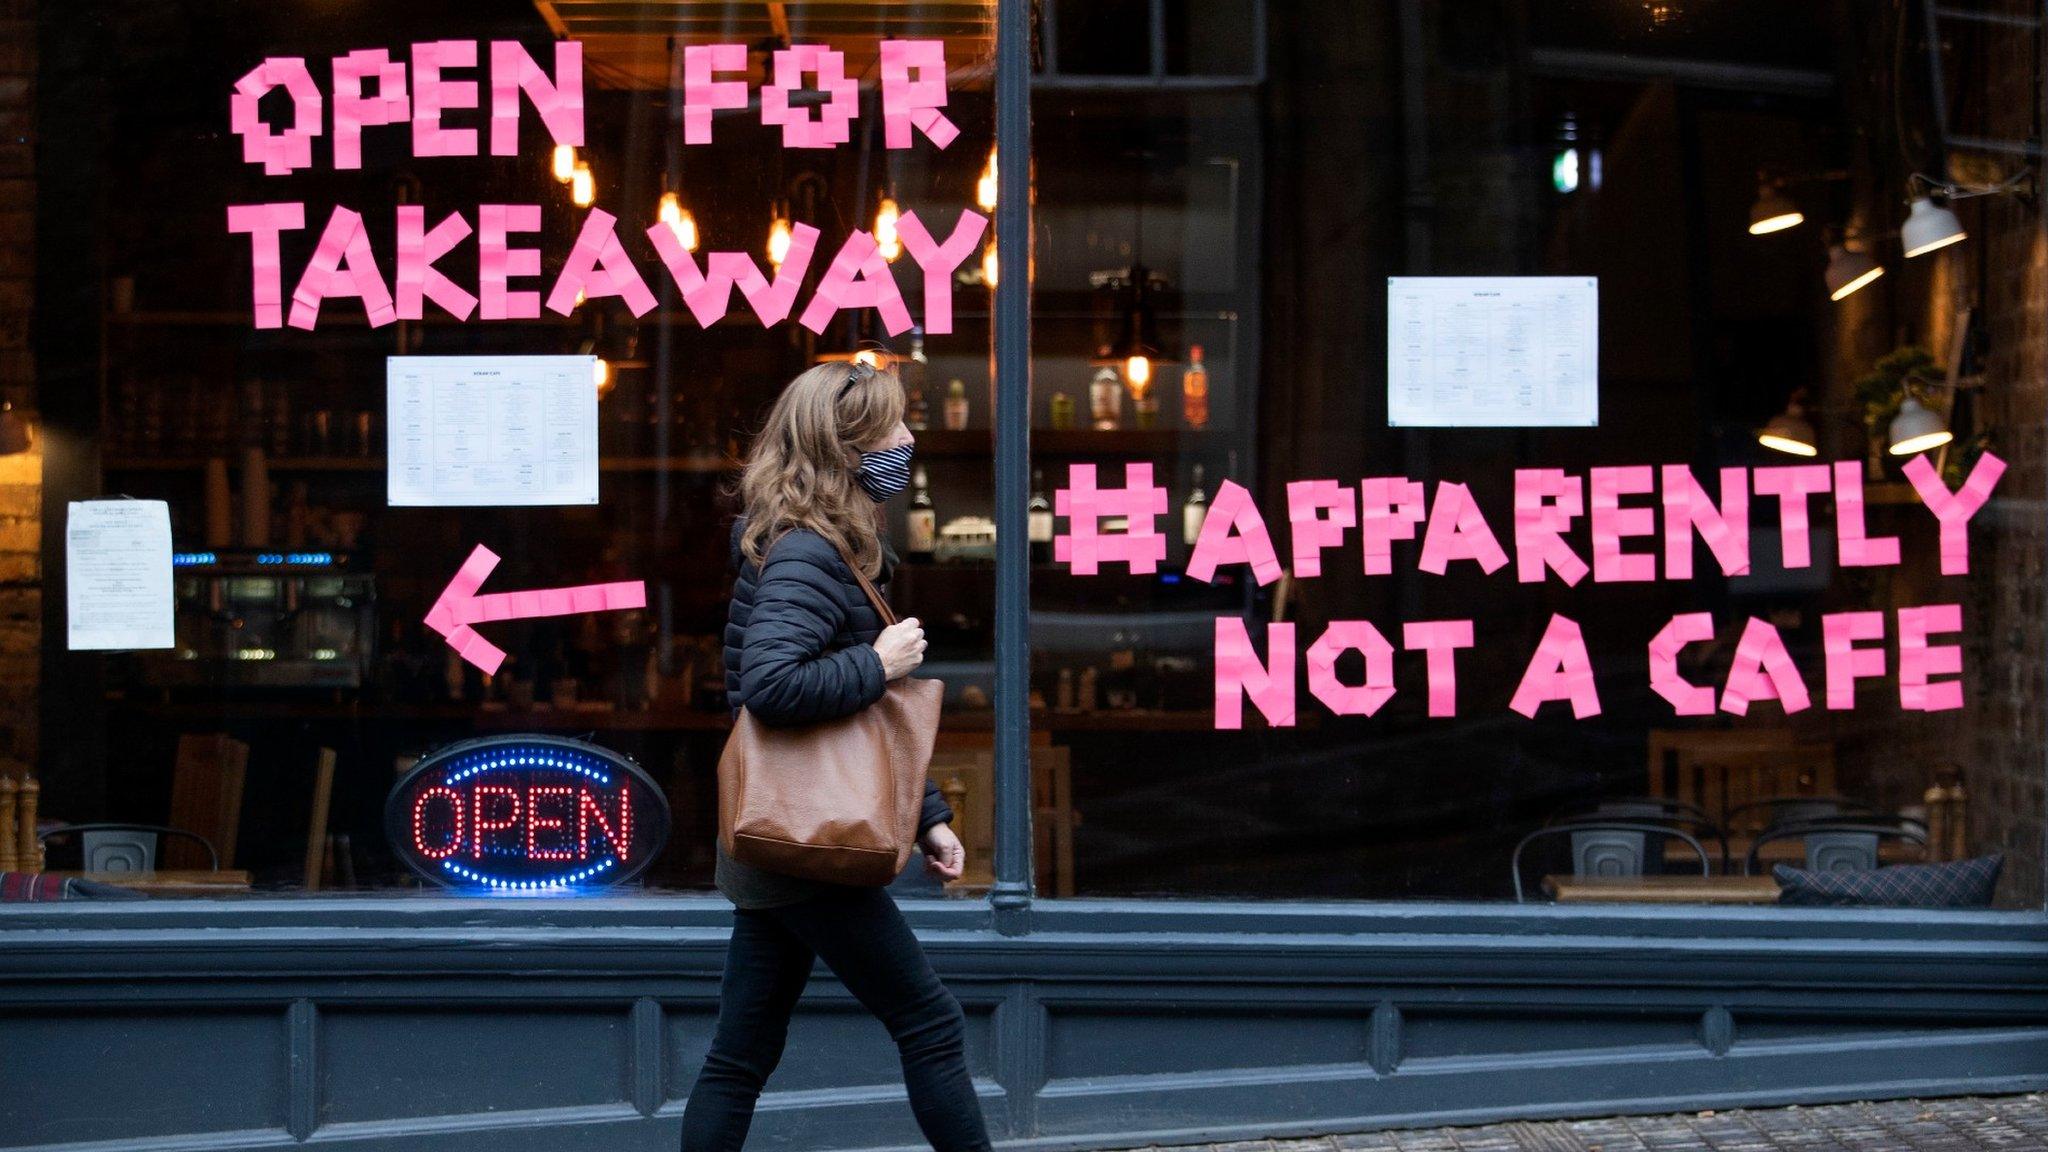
(492, 430)
(1493, 351)
(117, 575)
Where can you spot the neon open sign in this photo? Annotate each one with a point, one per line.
(526, 813)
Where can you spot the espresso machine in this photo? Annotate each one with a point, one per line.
(270, 619)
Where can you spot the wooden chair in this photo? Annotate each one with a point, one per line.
(319, 848)
(1719, 771)
(206, 799)
(964, 766)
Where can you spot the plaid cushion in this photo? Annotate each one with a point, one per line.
(37, 887)
(1956, 884)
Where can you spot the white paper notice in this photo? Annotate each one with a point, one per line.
(488, 430)
(1493, 351)
(117, 575)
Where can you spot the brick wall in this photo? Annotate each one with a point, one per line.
(2008, 769)
(21, 475)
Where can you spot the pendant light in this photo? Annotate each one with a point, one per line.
(1789, 431)
(985, 188)
(1773, 210)
(582, 186)
(565, 162)
(1136, 348)
(600, 368)
(1917, 428)
(1848, 272)
(887, 240)
(1932, 224)
(1929, 226)
(679, 220)
(779, 234)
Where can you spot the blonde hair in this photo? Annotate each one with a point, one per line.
(799, 470)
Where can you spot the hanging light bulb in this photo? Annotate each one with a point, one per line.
(869, 357)
(579, 300)
(988, 264)
(1138, 371)
(679, 220)
(985, 188)
(565, 162)
(886, 240)
(582, 186)
(601, 372)
(778, 237)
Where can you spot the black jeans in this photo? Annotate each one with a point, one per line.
(862, 937)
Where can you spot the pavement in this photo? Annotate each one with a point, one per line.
(1951, 1124)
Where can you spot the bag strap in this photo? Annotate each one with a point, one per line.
(882, 608)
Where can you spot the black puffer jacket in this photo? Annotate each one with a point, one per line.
(799, 642)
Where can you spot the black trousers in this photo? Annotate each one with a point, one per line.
(862, 937)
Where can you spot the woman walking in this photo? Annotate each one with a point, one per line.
(803, 645)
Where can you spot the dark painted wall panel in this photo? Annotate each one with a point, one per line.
(1435, 1034)
(1753, 1030)
(686, 1036)
(93, 1075)
(559, 1028)
(1090, 1041)
(383, 1063)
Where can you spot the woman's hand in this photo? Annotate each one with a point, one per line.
(944, 857)
(901, 647)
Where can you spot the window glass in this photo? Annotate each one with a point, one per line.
(183, 361)
(1443, 363)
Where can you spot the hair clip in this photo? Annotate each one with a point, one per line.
(856, 371)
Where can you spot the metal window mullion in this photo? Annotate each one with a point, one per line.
(1155, 16)
(1010, 898)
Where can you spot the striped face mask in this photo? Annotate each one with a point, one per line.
(883, 474)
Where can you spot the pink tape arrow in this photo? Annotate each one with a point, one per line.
(460, 605)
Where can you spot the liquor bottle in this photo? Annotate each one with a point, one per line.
(1194, 511)
(917, 412)
(956, 405)
(1105, 399)
(1145, 408)
(1040, 521)
(1062, 406)
(1194, 390)
(923, 521)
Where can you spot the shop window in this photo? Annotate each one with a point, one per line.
(1378, 404)
(317, 523)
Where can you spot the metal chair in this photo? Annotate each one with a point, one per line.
(1686, 817)
(159, 829)
(1841, 845)
(1604, 848)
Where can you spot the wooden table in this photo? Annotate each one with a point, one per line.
(1790, 850)
(1661, 889)
(172, 882)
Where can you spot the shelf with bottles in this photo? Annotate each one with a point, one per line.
(498, 716)
(712, 465)
(979, 442)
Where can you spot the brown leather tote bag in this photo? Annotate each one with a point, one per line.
(837, 800)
